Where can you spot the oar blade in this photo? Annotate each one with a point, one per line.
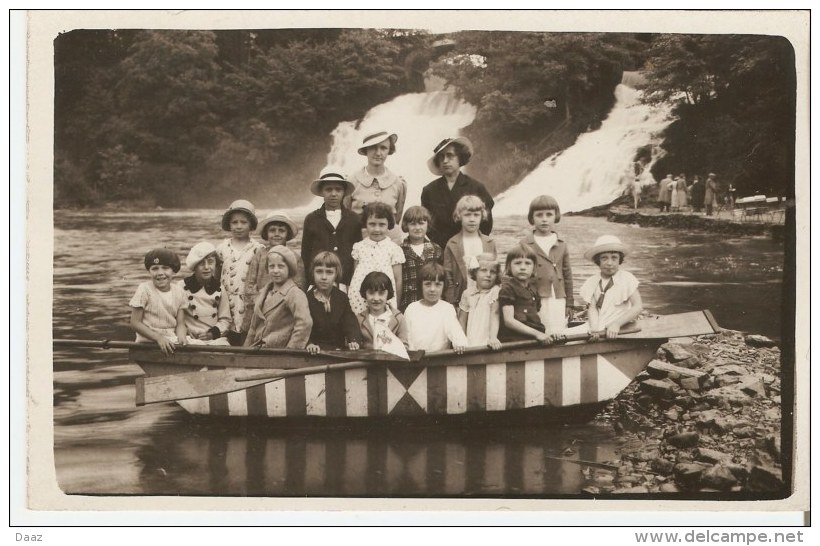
(694, 323)
(169, 388)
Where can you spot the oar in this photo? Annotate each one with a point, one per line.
(165, 388)
(340, 354)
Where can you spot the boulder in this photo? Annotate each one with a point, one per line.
(674, 352)
(712, 456)
(730, 369)
(753, 387)
(660, 388)
(639, 489)
(669, 488)
(689, 474)
(662, 466)
(764, 478)
(754, 340)
(684, 439)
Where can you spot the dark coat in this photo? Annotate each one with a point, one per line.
(441, 202)
(336, 329)
(319, 234)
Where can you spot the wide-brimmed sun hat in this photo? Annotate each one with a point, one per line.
(331, 174)
(282, 218)
(199, 252)
(375, 138)
(288, 255)
(464, 141)
(162, 256)
(606, 243)
(240, 205)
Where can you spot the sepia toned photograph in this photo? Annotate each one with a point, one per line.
(369, 259)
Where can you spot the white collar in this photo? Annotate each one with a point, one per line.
(384, 180)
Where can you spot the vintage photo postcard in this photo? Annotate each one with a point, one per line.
(338, 261)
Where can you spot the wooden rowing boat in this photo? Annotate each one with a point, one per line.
(522, 382)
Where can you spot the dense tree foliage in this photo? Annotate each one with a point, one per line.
(535, 92)
(192, 118)
(735, 104)
(185, 118)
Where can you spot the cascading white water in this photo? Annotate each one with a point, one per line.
(598, 167)
(421, 120)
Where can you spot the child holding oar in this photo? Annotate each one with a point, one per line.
(158, 306)
(207, 313)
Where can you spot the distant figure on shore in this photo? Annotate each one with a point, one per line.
(636, 192)
(710, 199)
(679, 193)
(441, 195)
(697, 190)
(664, 194)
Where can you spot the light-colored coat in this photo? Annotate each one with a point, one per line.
(551, 271)
(456, 269)
(281, 317)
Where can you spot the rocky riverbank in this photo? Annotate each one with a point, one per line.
(703, 418)
(688, 221)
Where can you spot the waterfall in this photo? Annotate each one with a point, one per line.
(598, 167)
(421, 120)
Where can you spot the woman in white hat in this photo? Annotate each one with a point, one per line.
(612, 295)
(441, 195)
(375, 182)
(207, 313)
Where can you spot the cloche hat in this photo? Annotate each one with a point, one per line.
(199, 252)
(162, 256)
(287, 255)
(240, 205)
(282, 218)
(375, 138)
(464, 141)
(606, 243)
(331, 174)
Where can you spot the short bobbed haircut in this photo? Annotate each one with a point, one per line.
(375, 281)
(486, 258)
(378, 210)
(517, 252)
(469, 203)
(327, 258)
(461, 151)
(544, 202)
(597, 257)
(414, 215)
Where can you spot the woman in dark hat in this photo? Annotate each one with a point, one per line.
(441, 195)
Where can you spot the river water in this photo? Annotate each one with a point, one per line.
(104, 444)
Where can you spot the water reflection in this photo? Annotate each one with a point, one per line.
(205, 457)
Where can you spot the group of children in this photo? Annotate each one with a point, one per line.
(360, 288)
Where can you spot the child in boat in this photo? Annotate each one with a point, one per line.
(158, 306)
(463, 247)
(375, 253)
(553, 274)
(275, 229)
(518, 299)
(334, 324)
(207, 314)
(612, 295)
(281, 315)
(377, 291)
(432, 324)
(331, 227)
(236, 254)
(418, 251)
(478, 310)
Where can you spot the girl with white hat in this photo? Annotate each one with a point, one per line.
(207, 313)
(612, 295)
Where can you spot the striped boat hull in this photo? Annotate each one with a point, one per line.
(557, 381)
